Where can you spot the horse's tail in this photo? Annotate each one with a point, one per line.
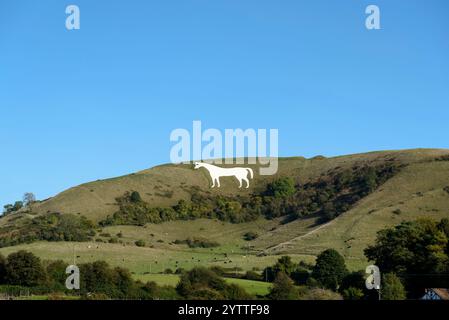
(251, 172)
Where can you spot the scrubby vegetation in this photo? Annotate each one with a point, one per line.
(23, 272)
(49, 227)
(250, 236)
(198, 243)
(328, 197)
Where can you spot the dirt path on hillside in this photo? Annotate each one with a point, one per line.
(289, 242)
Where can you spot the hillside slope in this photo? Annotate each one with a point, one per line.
(165, 185)
(419, 189)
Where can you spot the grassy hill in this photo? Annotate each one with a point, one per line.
(417, 190)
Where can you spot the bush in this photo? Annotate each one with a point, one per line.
(392, 288)
(282, 187)
(140, 243)
(250, 236)
(283, 288)
(252, 275)
(135, 197)
(50, 227)
(204, 284)
(352, 293)
(198, 243)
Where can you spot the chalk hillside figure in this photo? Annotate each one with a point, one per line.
(241, 174)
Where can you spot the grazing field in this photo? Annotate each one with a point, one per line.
(141, 260)
(252, 287)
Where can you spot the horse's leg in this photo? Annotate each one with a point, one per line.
(240, 182)
(213, 181)
(247, 182)
(218, 181)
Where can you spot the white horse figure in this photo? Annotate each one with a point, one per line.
(216, 172)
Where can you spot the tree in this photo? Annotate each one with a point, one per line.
(28, 199)
(284, 264)
(330, 269)
(9, 208)
(97, 277)
(123, 282)
(17, 206)
(415, 250)
(201, 283)
(135, 197)
(353, 286)
(300, 275)
(204, 284)
(392, 288)
(283, 288)
(281, 188)
(56, 274)
(25, 269)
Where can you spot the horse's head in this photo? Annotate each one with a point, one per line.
(197, 165)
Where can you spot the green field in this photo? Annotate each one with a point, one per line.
(252, 287)
(141, 260)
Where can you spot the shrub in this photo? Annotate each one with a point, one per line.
(140, 243)
(392, 287)
(352, 293)
(135, 197)
(283, 288)
(252, 275)
(320, 294)
(250, 236)
(204, 284)
(282, 187)
(198, 243)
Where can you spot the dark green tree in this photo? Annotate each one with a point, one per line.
(25, 269)
(56, 274)
(283, 187)
(330, 269)
(200, 281)
(135, 197)
(300, 275)
(284, 264)
(416, 251)
(17, 206)
(97, 277)
(352, 281)
(352, 293)
(204, 284)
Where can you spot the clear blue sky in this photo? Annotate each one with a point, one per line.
(99, 102)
